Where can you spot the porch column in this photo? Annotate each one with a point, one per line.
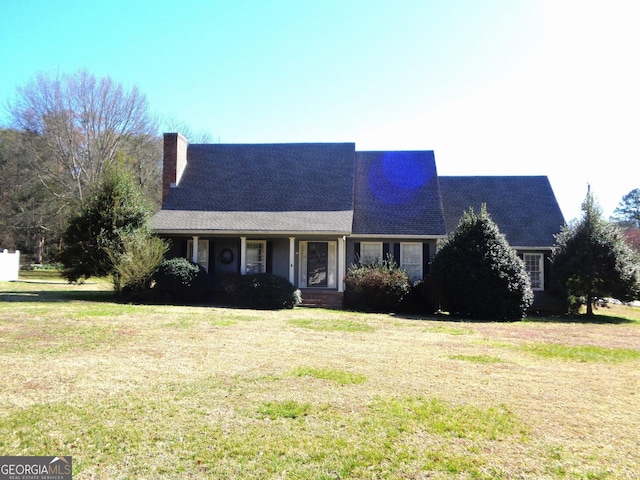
(341, 263)
(243, 255)
(292, 259)
(194, 255)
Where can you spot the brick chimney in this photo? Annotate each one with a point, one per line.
(174, 161)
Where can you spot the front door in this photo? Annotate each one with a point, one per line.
(317, 264)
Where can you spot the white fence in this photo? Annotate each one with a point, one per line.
(9, 265)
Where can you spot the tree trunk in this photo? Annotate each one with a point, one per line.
(40, 249)
(589, 306)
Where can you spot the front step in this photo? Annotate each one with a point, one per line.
(322, 298)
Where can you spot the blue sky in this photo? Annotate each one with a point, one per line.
(494, 87)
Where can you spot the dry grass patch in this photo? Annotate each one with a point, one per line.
(477, 358)
(136, 391)
(339, 376)
(448, 330)
(584, 353)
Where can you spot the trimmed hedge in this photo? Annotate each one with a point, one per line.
(263, 291)
(376, 287)
(180, 281)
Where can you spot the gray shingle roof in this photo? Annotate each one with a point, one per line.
(279, 187)
(331, 188)
(194, 221)
(397, 193)
(266, 177)
(524, 207)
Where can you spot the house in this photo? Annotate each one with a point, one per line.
(308, 211)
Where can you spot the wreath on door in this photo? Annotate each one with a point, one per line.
(226, 256)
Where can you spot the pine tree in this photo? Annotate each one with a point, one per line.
(627, 213)
(97, 235)
(592, 261)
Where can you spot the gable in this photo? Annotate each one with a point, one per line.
(524, 207)
(397, 193)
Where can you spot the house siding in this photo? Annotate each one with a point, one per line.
(279, 253)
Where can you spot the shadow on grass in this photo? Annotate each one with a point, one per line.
(53, 295)
(599, 318)
(40, 293)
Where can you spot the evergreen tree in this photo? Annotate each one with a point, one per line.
(627, 213)
(592, 261)
(479, 274)
(96, 236)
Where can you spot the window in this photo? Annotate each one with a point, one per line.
(203, 253)
(534, 264)
(370, 252)
(256, 256)
(411, 260)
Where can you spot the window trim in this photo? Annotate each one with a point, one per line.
(203, 252)
(421, 253)
(540, 263)
(378, 245)
(263, 263)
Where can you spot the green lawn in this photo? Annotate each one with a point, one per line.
(135, 391)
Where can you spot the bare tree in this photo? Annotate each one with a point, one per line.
(200, 136)
(28, 217)
(77, 124)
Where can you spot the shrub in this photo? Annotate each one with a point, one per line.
(181, 281)
(479, 275)
(262, 291)
(135, 262)
(422, 298)
(376, 287)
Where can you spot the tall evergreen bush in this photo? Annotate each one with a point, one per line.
(479, 275)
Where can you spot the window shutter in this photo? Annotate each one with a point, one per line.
(546, 261)
(356, 253)
(385, 251)
(396, 253)
(426, 264)
(269, 257)
(239, 250)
